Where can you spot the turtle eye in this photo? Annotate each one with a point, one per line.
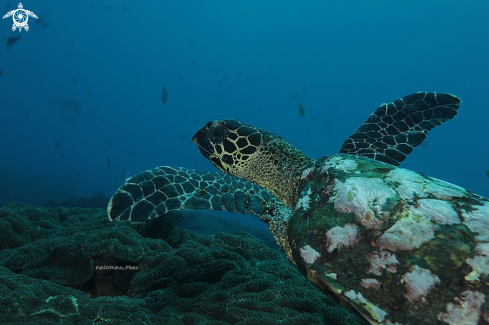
(217, 134)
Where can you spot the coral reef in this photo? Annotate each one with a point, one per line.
(60, 265)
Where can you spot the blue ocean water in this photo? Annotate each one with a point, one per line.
(81, 91)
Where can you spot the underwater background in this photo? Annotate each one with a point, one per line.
(97, 91)
(81, 104)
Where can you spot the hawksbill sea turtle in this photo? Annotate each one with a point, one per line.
(394, 245)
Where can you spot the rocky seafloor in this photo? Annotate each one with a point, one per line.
(74, 266)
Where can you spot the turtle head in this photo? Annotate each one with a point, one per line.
(228, 144)
(253, 154)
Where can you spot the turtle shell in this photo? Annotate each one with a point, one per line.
(396, 245)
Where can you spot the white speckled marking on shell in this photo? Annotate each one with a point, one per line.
(339, 236)
(479, 264)
(444, 190)
(307, 172)
(478, 221)
(304, 201)
(364, 197)
(309, 255)
(437, 211)
(380, 260)
(466, 311)
(406, 234)
(370, 283)
(419, 282)
(357, 298)
(333, 276)
(412, 183)
(345, 165)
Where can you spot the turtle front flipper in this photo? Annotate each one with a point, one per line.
(155, 192)
(394, 129)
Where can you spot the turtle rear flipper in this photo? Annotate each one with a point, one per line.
(154, 192)
(394, 129)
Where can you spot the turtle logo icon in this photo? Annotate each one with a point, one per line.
(20, 17)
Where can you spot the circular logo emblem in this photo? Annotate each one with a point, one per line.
(20, 18)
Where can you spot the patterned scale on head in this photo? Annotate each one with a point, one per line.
(393, 245)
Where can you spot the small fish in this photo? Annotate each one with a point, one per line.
(1, 71)
(123, 174)
(8, 6)
(109, 164)
(12, 40)
(58, 144)
(301, 109)
(487, 173)
(164, 94)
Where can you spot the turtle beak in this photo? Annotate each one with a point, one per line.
(202, 141)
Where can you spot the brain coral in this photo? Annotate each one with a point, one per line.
(48, 274)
